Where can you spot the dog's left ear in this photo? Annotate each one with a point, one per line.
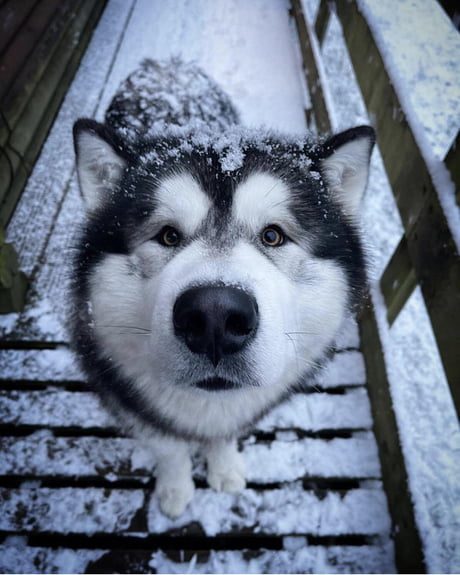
(344, 164)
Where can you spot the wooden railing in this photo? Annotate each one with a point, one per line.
(426, 255)
(41, 44)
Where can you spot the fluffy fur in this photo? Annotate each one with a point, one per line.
(249, 225)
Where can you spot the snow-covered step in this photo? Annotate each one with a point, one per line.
(46, 365)
(15, 556)
(69, 510)
(43, 455)
(345, 368)
(289, 510)
(55, 407)
(284, 511)
(295, 558)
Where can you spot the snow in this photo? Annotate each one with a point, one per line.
(424, 67)
(420, 47)
(247, 47)
(357, 511)
(55, 407)
(17, 557)
(420, 50)
(93, 510)
(302, 559)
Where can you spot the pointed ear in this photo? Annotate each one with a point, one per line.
(344, 164)
(101, 160)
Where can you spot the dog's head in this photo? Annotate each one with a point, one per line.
(220, 264)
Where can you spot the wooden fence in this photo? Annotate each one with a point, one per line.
(41, 44)
(426, 254)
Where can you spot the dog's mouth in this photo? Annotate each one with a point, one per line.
(216, 384)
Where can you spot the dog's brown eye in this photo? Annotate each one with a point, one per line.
(272, 236)
(169, 237)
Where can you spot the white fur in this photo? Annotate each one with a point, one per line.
(301, 302)
(174, 484)
(346, 172)
(261, 200)
(181, 203)
(225, 467)
(99, 167)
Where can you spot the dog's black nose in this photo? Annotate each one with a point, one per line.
(215, 320)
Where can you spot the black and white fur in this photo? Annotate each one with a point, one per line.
(214, 267)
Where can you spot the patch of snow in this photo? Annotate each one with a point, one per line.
(351, 457)
(93, 510)
(17, 557)
(429, 428)
(42, 365)
(346, 368)
(423, 64)
(420, 47)
(357, 511)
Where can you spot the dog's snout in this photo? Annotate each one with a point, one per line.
(215, 320)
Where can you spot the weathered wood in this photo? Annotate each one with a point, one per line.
(452, 162)
(346, 369)
(430, 244)
(25, 50)
(43, 455)
(398, 281)
(54, 408)
(322, 20)
(36, 117)
(314, 76)
(53, 87)
(96, 510)
(12, 16)
(408, 549)
(36, 212)
(171, 558)
(13, 283)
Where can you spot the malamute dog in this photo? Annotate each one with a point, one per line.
(214, 268)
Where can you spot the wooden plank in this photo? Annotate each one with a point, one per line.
(25, 51)
(358, 511)
(96, 510)
(39, 39)
(41, 365)
(431, 247)
(398, 280)
(43, 455)
(346, 369)
(42, 198)
(16, 557)
(13, 283)
(322, 20)
(55, 408)
(452, 162)
(311, 63)
(38, 114)
(12, 17)
(408, 549)
(93, 510)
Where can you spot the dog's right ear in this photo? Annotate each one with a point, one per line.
(101, 160)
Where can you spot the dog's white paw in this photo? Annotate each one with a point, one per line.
(228, 480)
(226, 468)
(173, 498)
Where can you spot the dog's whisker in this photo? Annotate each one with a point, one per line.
(130, 328)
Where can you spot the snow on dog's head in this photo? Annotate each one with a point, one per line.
(216, 266)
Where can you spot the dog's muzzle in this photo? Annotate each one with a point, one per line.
(215, 320)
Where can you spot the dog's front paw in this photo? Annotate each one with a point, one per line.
(228, 480)
(226, 468)
(173, 498)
